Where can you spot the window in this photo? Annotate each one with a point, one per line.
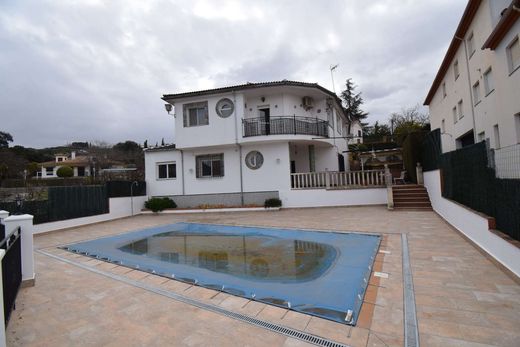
(211, 165)
(195, 114)
(481, 136)
(359, 133)
(81, 171)
(166, 170)
(471, 45)
(443, 126)
(459, 107)
(338, 129)
(488, 81)
(497, 136)
(254, 160)
(312, 159)
(513, 55)
(455, 115)
(225, 108)
(476, 93)
(60, 159)
(517, 126)
(49, 171)
(456, 69)
(444, 89)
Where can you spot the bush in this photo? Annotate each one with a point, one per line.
(65, 171)
(273, 202)
(159, 204)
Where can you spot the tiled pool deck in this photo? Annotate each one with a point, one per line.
(462, 298)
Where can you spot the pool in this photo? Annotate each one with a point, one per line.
(321, 273)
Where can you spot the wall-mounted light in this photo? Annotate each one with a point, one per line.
(168, 108)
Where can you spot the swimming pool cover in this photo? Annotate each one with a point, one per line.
(321, 273)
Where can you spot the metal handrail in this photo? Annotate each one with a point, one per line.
(285, 125)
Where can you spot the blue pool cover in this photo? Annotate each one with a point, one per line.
(321, 273)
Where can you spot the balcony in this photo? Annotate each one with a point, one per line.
(285, 125)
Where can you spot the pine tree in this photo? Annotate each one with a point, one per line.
(145, 144)
(162, 142)
(352, 102)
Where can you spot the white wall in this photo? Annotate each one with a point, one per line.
(159, 187)
(322, 197)
(471, 224)
(499, 106)
(119, 208)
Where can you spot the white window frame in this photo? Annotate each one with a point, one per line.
(443, 126)
(517, 127)
(444, 94)
(169, 176)
(456, 71)
(460, 114)
(489, 83)
(510, 62)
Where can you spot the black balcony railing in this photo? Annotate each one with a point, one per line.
(285, 125)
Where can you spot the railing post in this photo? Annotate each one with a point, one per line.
(3, 341)
(389, 191)
(294, 120)
(327, 180)
(419, 172)
(25, 222)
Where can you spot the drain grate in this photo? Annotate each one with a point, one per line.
(290, 332)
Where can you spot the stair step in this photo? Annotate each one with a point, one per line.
(413, 204)
(413, 208)
(396, 200)
(406, 186)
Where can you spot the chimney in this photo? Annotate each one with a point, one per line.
(73, 155)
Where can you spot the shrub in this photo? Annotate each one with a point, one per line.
(273, 202)
(159, 204)
(65, 171)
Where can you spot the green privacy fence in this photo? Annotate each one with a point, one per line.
(431, 150)
(469, 180)
(64, 203)
(117, 189)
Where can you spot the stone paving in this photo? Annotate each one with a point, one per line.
(462, 298)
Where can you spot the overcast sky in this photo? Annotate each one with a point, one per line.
(88, 70)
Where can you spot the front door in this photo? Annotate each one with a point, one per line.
(265, 119)
(341, 162)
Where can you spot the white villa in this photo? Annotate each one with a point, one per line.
(242, 144)
(81, 165)
(476, 93)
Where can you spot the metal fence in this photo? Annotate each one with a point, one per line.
(11, 269)
(285, 125)
(117, 189)
(63, 203)
(507, 162)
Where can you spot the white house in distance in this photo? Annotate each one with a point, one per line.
(476, 93)
(242, 144)
(81, 165)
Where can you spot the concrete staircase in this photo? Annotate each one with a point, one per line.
(411, 197)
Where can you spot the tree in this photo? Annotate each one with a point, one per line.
(65, 171)
(377, 131)
(409, 120)
(127, 146)
(352, 102)
(5, 138)
(162, 142)
(145, 144)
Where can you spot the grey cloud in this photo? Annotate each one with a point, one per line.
(95, 70)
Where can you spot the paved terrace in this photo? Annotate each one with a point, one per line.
(462, 298)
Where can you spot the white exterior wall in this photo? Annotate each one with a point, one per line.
(323, 198)
(499, 106)
(471, 224)
(159, 187)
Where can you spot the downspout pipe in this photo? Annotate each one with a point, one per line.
(239, 151)
(182, 164)
(471, 96)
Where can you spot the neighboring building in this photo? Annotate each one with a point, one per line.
(82, 165)
(476, 93)
(240, 144)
